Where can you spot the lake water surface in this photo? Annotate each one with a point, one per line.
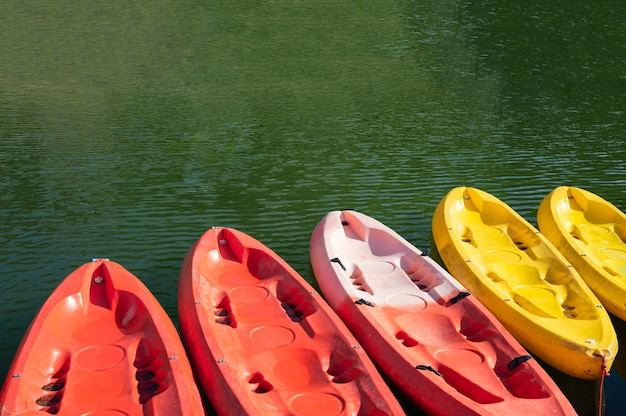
(129, 128)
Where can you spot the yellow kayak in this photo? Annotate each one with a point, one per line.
(591, 234)
(524, 281)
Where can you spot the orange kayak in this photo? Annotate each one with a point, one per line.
(434, 340)
(264, 342)
(102, 345)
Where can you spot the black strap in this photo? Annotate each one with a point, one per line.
(517, 361)
(459, 297)
(364, 302)
(429, 368)
(336, 260)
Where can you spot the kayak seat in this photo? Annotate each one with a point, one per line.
(606, 243)
(508, 237)
(521, 383)
(558, 274)
(601, 236)
(462, 381)
(301, 375)
(481, 236)
(461, 357)
(291, 369)
(421, 330)
(537, 300)
(514, 273)
(546, 296)
(541, 296)
(596, 234)
(99, 313)
(391, 286)
(525, 274)
(90, 324)
(382, 274)
(615, 267)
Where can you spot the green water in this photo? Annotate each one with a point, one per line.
(129, 128)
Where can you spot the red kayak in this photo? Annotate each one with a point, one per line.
(102, 345)
(434, 340)
(264, 342)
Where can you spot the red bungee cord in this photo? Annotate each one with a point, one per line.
(604, 374)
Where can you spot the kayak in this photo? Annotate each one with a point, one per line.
(102, 345)
(433, 340)
(264, 342)
(525, 282)
(591, 233)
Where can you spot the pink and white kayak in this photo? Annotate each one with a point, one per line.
(434, 340)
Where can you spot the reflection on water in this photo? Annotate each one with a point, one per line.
(127, 129)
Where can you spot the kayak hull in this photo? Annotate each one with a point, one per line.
(101, 343)
(524, 281)
(439, 345)
(263, 341)
(591, 233)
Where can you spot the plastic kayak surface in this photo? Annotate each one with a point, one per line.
(264, 342)
(524, 281)
(102, 345)
(436, 342)
(591, 233)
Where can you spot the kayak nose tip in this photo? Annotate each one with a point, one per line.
(605, 355)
